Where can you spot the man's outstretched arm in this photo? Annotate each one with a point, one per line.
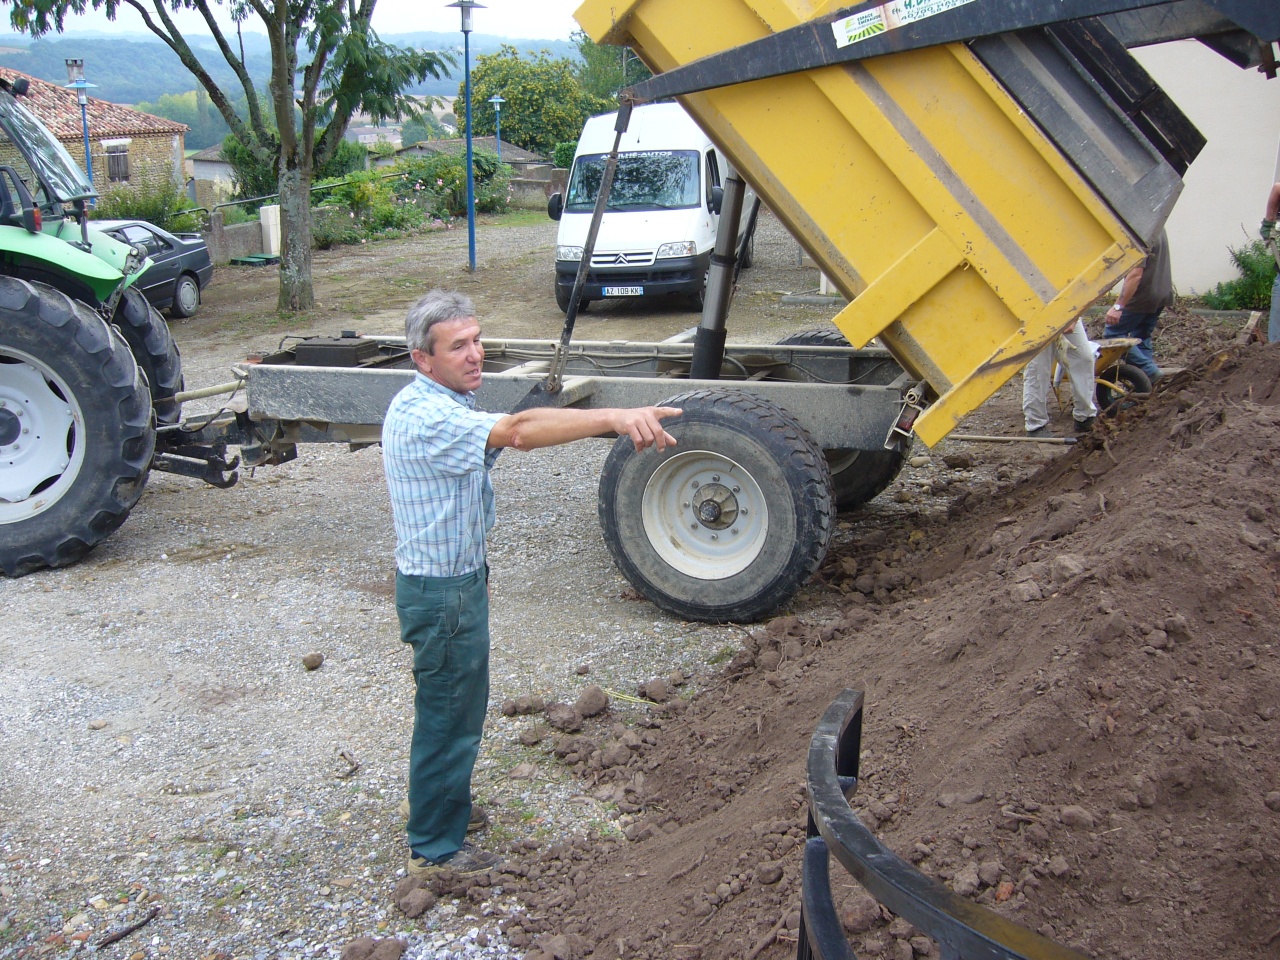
(550, 426)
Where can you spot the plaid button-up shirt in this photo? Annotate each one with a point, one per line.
(437, 466)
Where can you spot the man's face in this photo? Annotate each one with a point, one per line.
(456, 355)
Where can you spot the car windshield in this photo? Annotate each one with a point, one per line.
(40, 160)
(645, 180)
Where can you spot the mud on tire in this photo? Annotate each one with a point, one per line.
(76, 428)
(731, 522)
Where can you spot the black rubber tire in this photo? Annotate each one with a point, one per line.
(663, 513)
(186, 297)
(856, 475)
(699, 300)
(562, 299)
(154, 349)
(85, 401)
(1130, 379)
(747, 256)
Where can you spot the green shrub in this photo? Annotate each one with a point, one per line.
(237, 214)
(562, 155)
(437, 184)
(1252, 289)
(165, 204)
(333, 226)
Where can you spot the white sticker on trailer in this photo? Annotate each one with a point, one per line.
(888, 16)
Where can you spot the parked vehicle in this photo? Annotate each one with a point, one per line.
(88, 369)
(660, 224)
(180, 264)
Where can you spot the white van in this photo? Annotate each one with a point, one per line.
(659, 228)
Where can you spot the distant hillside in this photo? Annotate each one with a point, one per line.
(129, 68)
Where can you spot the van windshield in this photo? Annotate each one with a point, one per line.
(645, 180)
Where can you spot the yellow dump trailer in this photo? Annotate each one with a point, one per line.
(970, 173)
(962, 234)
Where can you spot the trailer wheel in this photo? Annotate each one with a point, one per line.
(155, 351)
(728, 524)
(76, 429)
(1118, 385)
(856, 475)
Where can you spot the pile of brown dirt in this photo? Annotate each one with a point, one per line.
(1071, 688)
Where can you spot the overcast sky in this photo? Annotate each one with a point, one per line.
(517, 19)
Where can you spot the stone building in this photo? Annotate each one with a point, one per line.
(128, 147)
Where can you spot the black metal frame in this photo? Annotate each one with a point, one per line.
(813, 44)
(962, 929)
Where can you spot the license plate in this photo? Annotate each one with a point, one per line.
(624, 291)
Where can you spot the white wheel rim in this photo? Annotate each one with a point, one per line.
(705, 515)
(41, 437)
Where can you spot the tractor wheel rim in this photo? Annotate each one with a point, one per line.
(41, 437)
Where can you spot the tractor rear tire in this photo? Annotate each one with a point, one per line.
(154, 349)
(729, 524)
(76, 428)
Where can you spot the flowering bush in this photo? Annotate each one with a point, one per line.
(369, 204)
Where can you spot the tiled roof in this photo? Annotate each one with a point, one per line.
(510, 152)
(59, 110)
(211, 154)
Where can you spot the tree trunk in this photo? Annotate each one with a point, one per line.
(296, 293)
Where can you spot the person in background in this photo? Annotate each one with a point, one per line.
(1080, 354)
(1146, 290)
(438, 450)
(1272, 240)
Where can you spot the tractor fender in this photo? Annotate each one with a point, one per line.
(100, 270)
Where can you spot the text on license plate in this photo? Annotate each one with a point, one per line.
(624, 291)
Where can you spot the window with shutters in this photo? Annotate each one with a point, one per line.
(118, 162)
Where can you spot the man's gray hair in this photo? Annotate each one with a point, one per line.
(438, 306)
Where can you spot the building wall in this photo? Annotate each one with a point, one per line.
(154, 159)
(1238, 111)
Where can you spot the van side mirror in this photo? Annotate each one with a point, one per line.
(717, 198)
(555, 206)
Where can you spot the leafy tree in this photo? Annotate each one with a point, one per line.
(195, 110)
(417, 129)
(545, 103)
(606, 70)
(254, 178)
(325, 58)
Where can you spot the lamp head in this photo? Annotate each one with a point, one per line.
(466, 6)
(497, 102)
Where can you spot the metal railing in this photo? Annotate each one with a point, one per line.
(962, 929)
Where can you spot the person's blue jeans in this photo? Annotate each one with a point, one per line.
(1273, 325)
(446, 621)
(1141, 326)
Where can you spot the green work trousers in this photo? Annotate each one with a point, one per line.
(446, 621)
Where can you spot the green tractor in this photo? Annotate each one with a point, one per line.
(88, 369)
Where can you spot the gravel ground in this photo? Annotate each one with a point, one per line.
(168, 758)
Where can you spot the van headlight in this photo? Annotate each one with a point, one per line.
(684, 248)
(569, 253)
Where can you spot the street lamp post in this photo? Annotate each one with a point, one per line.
(77, 82)
(466, 6)
(497, 102)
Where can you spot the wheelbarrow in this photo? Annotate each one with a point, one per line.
(1119, 384)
